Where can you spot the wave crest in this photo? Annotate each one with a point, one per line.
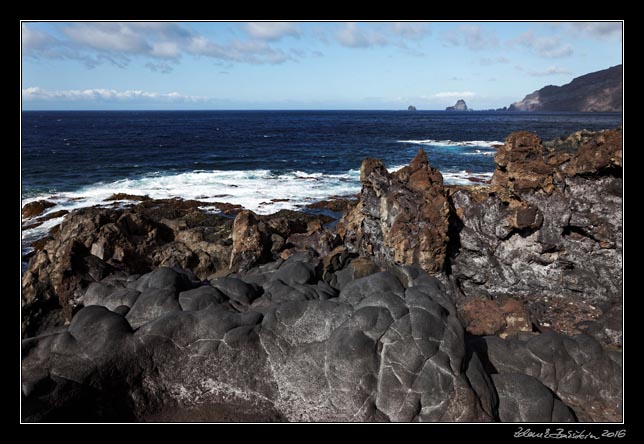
(464, 143)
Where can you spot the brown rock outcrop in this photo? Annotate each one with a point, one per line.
(520, 165)
(482, 317)
(93, 242)
(525, 164)
(126, 196)
(335, 204)
(249, 241)
(257, 239)
(491, 317)
(400, 218)
(33, 223)
(549, 227)
(36, 208)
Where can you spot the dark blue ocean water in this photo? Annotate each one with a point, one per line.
(78, 159)
(71, 151)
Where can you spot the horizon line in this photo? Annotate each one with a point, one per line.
(500, 110)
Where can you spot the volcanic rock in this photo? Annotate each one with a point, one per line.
(400, 218)
(35, 208)
(384, 350)
(576, 369)
(551, 224)
(125, 196)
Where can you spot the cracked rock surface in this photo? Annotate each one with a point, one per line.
(548, 228)
(388, 347)
(161, 312)
(278, 343)
(576, 369)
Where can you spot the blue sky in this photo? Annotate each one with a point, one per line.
(304, 65)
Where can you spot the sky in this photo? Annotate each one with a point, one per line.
(304, 65)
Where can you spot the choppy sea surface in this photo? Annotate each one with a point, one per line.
(78, 159)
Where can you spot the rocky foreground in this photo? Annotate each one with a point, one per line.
(497, 302)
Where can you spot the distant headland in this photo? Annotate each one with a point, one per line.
(600, 91)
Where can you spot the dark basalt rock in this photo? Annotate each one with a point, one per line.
(39, 220)
(386, 350)
(576, 369)
(388, 347)
(238, 291)
(200, 298)
(607, 329)
(140, 316)
(523, 398)
(552, 225)
(126, 196)
(94, 242)
(109, 296)
(549, 227)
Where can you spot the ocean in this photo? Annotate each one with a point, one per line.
(78, 158)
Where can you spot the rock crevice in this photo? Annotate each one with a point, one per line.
(427, 303)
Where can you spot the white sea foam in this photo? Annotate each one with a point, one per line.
(253, 190)
(465, 178)
(480, 153)
(31, 235)
(462, 177)
(472, 143)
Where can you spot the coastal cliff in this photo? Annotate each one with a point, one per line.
(599, 91)
(427, 302)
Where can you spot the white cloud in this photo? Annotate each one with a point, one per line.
(557, 52)
(410, 30)
(550, 71)
(354, 36)
(161, 30)
(454, 95)
(117, 37)
(162, 67)
(595, 29)
(367, 35)
(33, 39)
(547, 47)
(471, 36)
(272, 30)
(102, 94)
(486, 61)
(162, 44)
(254, 52)
(607, 29)
(168, 50)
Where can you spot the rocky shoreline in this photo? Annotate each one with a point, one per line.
(425, 302)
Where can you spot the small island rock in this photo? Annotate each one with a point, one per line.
(459, 106)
